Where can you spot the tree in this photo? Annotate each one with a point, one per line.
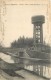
(22, 42)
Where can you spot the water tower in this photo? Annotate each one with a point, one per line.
(38, 21)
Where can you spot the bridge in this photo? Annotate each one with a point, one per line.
(30, 59)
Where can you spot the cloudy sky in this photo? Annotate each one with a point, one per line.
(17, 21)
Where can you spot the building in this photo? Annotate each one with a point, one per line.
(38, 21)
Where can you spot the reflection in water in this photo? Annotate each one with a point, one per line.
(40, 70)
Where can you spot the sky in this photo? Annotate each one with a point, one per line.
(17, 21)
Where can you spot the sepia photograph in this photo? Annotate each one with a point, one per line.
(25, 39)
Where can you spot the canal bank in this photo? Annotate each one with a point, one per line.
(26, 74)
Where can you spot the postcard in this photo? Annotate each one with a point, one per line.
(25, 39)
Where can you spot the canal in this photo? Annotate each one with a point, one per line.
(41, 71)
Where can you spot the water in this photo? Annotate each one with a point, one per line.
(44, 71)
(40, 69)
(6, 58)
